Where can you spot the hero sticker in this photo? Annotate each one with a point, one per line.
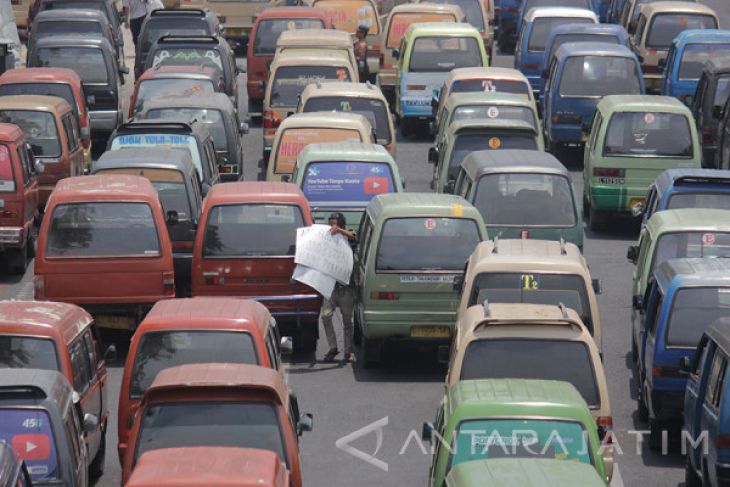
(649, 118)
(495, 143)
(488, 86)
(708, 239)
(493, 112)
(292, 25)
(429, 223)
(341, 75)
(345, 106)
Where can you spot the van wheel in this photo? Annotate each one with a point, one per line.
(586, 207)
(634, 349)
(18, 259)
(306, 341)
(371, 351)
(357, 330)
(691, 479)
(643, 409)
(655, 435)
(406, 127)
(30, 247)
(595, 219)
(96, 467)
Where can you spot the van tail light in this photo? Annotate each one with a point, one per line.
(384, 296)
(605, 425)
(707, 134)
(611, 172)
(651, 52)
(651, 69)
(530, 66)
(524, 234)
(723, 441)
(168, 283)
(39, 286)
(8, 214)
(213, 278)
(666, 371)
(272, 120)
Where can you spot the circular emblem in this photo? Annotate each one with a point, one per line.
(708, 238)
(429, 223)
(649, 118)
(493, 112)
(495, 143)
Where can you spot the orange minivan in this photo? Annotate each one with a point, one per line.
(61, 337)
(209, 466)
(194, 331)
(52, 130)
(226, 405)
(245, 247)
(103, 245)
(18, 198)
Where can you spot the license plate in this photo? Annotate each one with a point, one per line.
(427, 279)
(612, 180)
(117, 322)
(430, 332)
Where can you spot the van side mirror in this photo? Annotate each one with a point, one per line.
(395, 53)
(427, 431)
(38, 166)
(597, 286)
(85, 132)
(403, 182)
(633, 253)
(286, 346)
(685, 365)
(91, 422)
(458, 284)
(243, 128)
(717, 113)
(432, 128)
(110, 353)
(433, 155)
(637, 302)
(172, 218)
(305, 423)
(90, 99)
(638, 209)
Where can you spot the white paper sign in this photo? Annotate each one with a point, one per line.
(318, 281)
(329, 254)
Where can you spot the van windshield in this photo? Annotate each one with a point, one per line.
(720, 200)
(157, 27)
(465, 144)
(294, 140)
(491, 85)
(542, 27)
(187, 56)
(348, 15)
(347, 182)
(525, 199)
(31, 431)
(426, 244)
(61, 90)
(546, 359)
(372, 109)
(533, 288)
(209, 423)
(171, 141)
(102, 229)
(212, 119)
(696, 55)
(722, 91)
(473, 11)
(442, 54)
(7, 177)
(506, 112)
(24, 352)
(39, 128)
(290, 81)
(665, 27)
(655, 134)
(252, 230)
(561, 39)
(56, 27)
(521, 438)
(268, 32)
(88, 62)
(400, 22)
(690, 244)
(165, 349)
(180, 87)
(598, 76)
(693, 311)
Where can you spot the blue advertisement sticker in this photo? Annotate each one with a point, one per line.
(30, 434)
(346, 181)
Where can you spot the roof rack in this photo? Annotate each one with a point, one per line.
(486, 307)
(187, 12)
(162, 124)
(495, 249)
(563, 310)
(563, 251)
(690, 179)
(191, 39)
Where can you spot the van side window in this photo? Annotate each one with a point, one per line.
(92, 351)
(367, 233)
(271, 350)
(465, 185)
(700, 357)
(73, 430)
(80, 365)
(716, 380)
(71, 139)
(24, 164)
(640, 26)
(656, 312)
(597, 125)
(212, 156)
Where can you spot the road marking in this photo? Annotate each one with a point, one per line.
(617, 480)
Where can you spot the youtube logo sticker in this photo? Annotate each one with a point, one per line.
(375, 185)
(32, 447)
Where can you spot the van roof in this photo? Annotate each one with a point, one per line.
(479, 163)
(342, 88)
(207, 313)
(686, 176)
(491, 72)
(527, 254)
(291, 12)
(420, 204)
(693, 272)
(427, 7)
(583, 28)
(36, 103)
(300, 37)
(311, 57)
(704, 36)
(525, 472)
(689, 219)
(145, 157)
(571, 49)
(104, 187)
(50, 75)
(206, 466)
(562, 12)
(9, 132)
(256, 192)
(73, 41)
(649, 9)
(487, 98)
(41, 385)
(490, 123)
(337, 120)
(345, 151)
(220, 376)
(72, 15)
(180, 71)
(43, 318)
(147, 125)
(642, 103)
(441, 29)
(215, 101)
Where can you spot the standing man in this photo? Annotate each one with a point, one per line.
(135, 12)
(361, 52)
(343, 297)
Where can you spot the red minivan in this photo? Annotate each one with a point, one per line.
(245, 247)
(269, 25)
(193, 331)
(61, 82)
(103, 245)
(18, 198)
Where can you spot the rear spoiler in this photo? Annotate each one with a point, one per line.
(701, 179)
(178, 12)
(190, 39)
(149, 124)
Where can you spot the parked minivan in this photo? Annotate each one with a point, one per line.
(713, 91)
(103, 245)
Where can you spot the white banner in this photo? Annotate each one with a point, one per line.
(318, 281)
(321, 251)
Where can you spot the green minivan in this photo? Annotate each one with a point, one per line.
(514, 418)
(466, 136)
(633, 139)
(673, 234)
(522, 194)
(412, 247)
(523, 472)
(343, 177)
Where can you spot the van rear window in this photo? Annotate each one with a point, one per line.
(294, 140)
(677, 245)
(165, 349)
(177, 26)
(598, 76)
(665, 27)
(719, 201)
(7, 180)
(473, 11)
(102, 229)
(67, 27)
(561, 39)
(24, 352)
(542, 28)
(399, 24)
(655, 134)
(88, 62)
(564, 360)
(61, 90)
(443, 53)
(290, 81)
(722, 91)
(465, 144)
(187, 56)
(693, 311)
(253, 230)
(426, 244)
(39, 128)
(30, 433)
(696, 55)
(373, 109)
(500, 112)
(151, 88)
(169, 141)
(351, 182)
(268, 32)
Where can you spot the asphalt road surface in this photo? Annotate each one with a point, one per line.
(396, 399)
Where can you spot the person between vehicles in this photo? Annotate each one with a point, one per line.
(343, 297)
(135, 11)
(361, 52)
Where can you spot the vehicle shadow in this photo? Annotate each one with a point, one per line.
(618, 228)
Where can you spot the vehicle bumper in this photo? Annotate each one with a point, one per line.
(567, 134)
(667, 405)
(653, 82)
(373, 66)
(385, 325)
(12, 237)
(104, 120)
(292, 307)
(618, 198)
(118, 316)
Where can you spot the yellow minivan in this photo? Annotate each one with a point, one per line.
(301, 129)
(290, 73)
(363, 98)
(655, 29)
(327, 39)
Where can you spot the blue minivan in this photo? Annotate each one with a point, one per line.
(684, 297)
(686, 59)
(532, 39)
(579, 76)
(707, 409)
(687, 188)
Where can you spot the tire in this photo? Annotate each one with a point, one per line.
(96, 467)
(371, 352)
(655, 436)
(642, 409)
(18, 260)
(357, 330)
(30, 248)
(634, 348)
(595, 220)
(691, 479)
(306, 340)
(406, 127)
